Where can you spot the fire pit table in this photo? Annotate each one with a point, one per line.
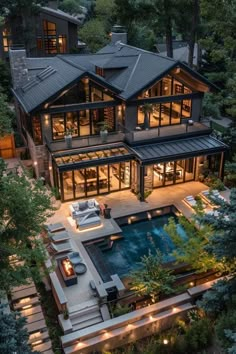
(67, 271)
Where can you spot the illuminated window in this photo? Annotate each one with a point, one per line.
(39, 43)
(7, 42)
(50, 38)
(62, 44)
(99, 71)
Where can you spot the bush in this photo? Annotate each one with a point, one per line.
(199, 335)
(226, 322)
(215, 183)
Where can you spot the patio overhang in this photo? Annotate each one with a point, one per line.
(94, 156)
(178, 149)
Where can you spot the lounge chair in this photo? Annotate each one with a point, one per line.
(56, 248)
(211, 197)
(59, 236)
(55, 227)
(190, 201)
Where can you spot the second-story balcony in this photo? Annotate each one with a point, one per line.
(139, 136)
(136, 137)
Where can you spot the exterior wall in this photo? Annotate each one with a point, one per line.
(130, 117)
(40, 158)
(196, 109)
(72, 37)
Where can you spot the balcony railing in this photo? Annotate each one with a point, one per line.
(84, 141)
(161, 133)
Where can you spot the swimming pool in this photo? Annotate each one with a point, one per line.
(140, 238)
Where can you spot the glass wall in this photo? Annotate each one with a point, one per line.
(168, 86)
(166, 113)
(82, 123)
(173, 172)
(96, 180)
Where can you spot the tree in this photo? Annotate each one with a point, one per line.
(25, 205)
(152, 278)
(94, 35)
(13, 334)
(5, 79)
(191, 248)
(25, 10)
(6, 116)
(70, 6)
(104, 11)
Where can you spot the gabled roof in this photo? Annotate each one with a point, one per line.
(128, 70)
(60, 14)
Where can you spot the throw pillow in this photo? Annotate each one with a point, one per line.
(91, 203)
(83, 206)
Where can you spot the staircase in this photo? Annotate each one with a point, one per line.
(85, 315)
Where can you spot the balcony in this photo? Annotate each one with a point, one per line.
(84, 141)
(163, 133)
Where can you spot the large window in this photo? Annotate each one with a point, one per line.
(96, 180)
(168, 86)
(82, 123)
(53, 43)
(168, 113)
(7, 42)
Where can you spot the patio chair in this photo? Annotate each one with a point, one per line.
(190, 201)
(56, 248)
(59, 236)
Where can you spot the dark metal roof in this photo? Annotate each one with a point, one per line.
(60, 14)
(129, 70)
(179, 149)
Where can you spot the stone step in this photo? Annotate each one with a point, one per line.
(80, 308)
(85, 317)
(88, 323)
(43, 347)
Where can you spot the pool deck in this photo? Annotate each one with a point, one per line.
(121, 203)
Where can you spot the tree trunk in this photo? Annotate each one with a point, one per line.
(168, 29)
(193, 32)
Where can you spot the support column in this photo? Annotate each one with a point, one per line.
(141, 183)
(222, 165)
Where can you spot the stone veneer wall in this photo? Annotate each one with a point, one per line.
(39, 154)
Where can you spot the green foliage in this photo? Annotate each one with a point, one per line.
(230, 172)
(25, 206)
(93, 33)
(214, 183)
(6, 116)
(104, 12)
(70, 6)
(152, 278)
(13, 334)
(192, 250)
(199, 335)
(215, 300)
(225, 329)
(56, 193)
(211, 106)
(120, 310)
(5, 79)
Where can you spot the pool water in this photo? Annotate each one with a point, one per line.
(140, 238)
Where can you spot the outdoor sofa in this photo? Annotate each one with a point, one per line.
(83, 208)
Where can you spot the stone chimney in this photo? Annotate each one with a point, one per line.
(19, 71)
(118, 33)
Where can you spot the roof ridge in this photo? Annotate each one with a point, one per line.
(133, 70)
(71, 63)
(146, 51)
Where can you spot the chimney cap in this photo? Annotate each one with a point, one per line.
(118, 29)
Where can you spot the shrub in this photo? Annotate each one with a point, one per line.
(199, 335)
(215, 183)
(226, 322)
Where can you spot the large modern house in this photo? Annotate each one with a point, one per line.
(50, 32)
(149, 104)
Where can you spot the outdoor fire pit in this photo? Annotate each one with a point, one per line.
(67, 271)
